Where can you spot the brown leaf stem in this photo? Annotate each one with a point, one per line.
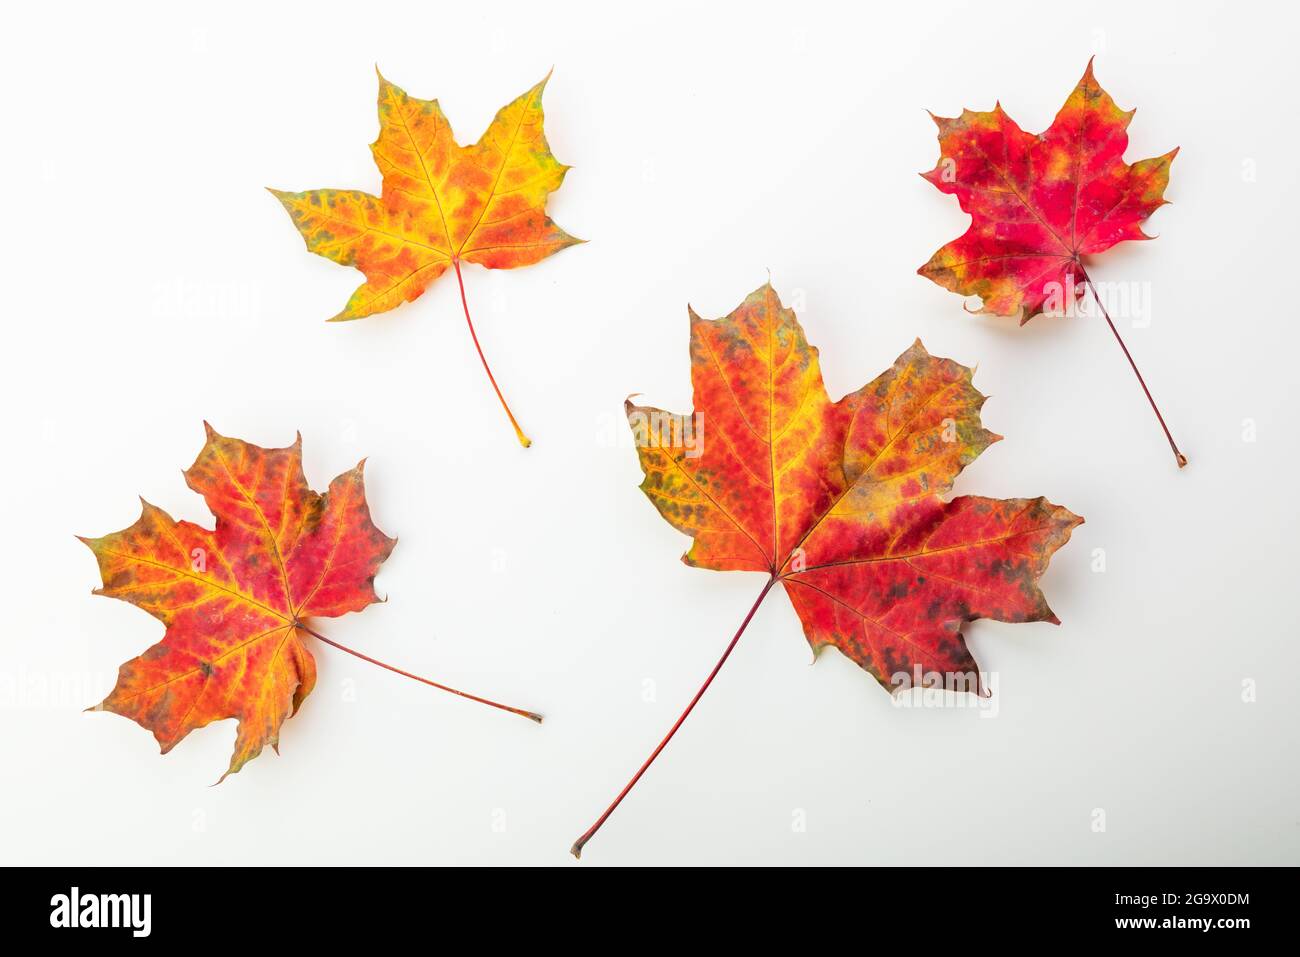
(1178, 456)
(406, 674)
(576, 850)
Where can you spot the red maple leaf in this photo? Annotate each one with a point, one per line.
(1041, 203)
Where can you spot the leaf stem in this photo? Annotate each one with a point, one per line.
(406, 674)
(524, 440)
(578, 845)
(1178, 456)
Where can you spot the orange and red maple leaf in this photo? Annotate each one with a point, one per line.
(234, 599)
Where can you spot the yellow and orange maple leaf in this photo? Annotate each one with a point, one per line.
(441, 204)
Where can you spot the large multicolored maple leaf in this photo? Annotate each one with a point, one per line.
(842, 503)
(1040, 202)
(234, 599)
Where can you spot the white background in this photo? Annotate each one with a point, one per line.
(150, 283)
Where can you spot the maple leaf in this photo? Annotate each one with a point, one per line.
(235, 599)
(1041, 203)
(842, 503)
(441, 204)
